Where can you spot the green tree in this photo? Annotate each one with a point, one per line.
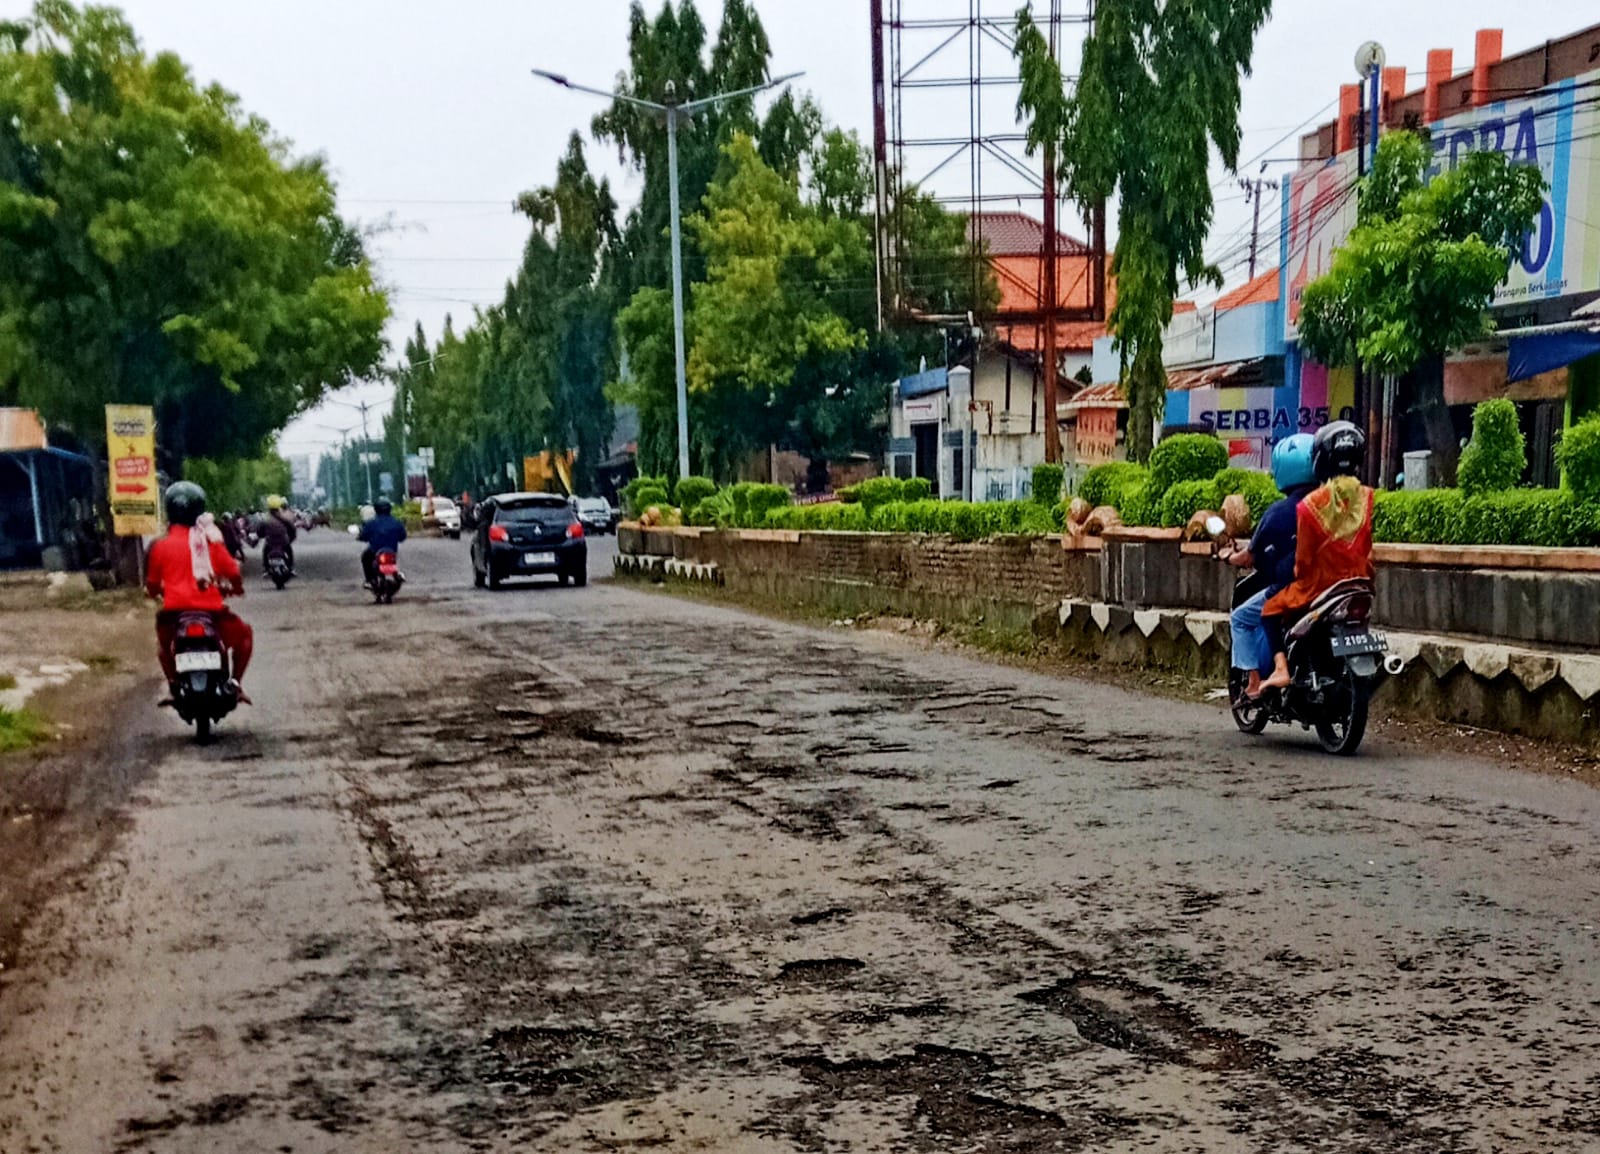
(159, 245)
(1157, 89)
(764, 308)
(1415, 278)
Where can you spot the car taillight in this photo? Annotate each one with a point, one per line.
(575, 531)
(498, 533)
(194, 629)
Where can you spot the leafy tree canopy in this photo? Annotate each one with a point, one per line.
(1415, 278)
(159, 245)
(1157, 90)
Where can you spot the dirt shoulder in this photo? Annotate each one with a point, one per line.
(83, 659)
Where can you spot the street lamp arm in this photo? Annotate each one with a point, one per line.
(557, 78)
(694, 106)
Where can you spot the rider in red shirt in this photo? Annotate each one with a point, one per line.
(171, 574)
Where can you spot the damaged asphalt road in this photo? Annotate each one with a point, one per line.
(584, 870)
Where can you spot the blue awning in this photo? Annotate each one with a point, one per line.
(921, 384)
(1540, 353)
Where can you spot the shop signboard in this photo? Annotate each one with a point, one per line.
(1550, 129)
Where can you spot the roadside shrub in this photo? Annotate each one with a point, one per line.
(1103, 484)
(1186, 457)
(916, 489)
(1495, 458)
(690, 491)
(1436, 517)
(1579, 458)
(1047, 480)
(1257, 489)
(714, 511)
(1550, 518)
(630, 493)
(1140, 505)
(643, 497)
(1391, 516)
(1185, 499)
(875, 491)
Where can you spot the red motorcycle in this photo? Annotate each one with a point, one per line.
(387, 578)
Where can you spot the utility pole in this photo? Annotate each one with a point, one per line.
(1252, 192)
(673, 113)
(1052, 295)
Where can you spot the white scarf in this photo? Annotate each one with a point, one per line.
(200, 537)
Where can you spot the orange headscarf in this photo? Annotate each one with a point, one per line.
(1333, 543)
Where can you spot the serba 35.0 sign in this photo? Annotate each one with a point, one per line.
(1279, 422)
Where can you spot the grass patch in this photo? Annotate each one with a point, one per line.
(102, 662)
(7, 681)
(20, 729)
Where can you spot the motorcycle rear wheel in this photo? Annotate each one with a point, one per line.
(1343, 737)
(202, 729)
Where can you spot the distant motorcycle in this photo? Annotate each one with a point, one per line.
(201, 695)
(387, 578)
(1334, 655)
(276, 562)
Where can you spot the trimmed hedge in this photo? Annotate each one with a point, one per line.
(1257, 489)
(1047, 482)
(630, 493)
(1185, 499)
(1104, 484)
(1579, 458)
(1495, 458)
(1549, 518)
(1140, 504)
(1186, 457)
(646, 496)
(690, 491)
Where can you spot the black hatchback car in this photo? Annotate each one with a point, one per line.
(526, 534)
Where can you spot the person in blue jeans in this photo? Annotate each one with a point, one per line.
(1271, 553)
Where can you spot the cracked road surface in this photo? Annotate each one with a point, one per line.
(595, 870)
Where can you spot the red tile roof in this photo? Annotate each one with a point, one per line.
(1018, 234)
(1260, 291)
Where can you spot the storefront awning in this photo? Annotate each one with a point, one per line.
(1542, 352)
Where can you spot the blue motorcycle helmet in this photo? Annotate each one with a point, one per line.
(1291, 462)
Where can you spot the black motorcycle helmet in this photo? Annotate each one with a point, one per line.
(383, 506)
(1339, 450)
(185, 502)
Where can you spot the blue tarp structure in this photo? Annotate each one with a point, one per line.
(921, 384)
(44, 500)
(1537, 354)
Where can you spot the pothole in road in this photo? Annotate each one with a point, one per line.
(820, 971)
(1145, 1022)
(832, 913)
(954, 1100)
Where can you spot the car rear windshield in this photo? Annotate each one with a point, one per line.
(594, 505)
(531, 514)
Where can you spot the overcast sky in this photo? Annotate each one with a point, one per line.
(432, 122)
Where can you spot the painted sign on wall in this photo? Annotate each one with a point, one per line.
(1550, 129)
(1097, 435)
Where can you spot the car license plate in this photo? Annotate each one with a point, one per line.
(198, 662)
(538, 558)
(1356, 644)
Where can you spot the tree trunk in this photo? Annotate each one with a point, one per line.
(1429, 404)
(1147, 395)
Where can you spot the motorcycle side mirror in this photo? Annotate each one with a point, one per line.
(355, 530)
(1216, 526)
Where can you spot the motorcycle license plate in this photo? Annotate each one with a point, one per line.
(1355, 644)
(538, 558)
(198, 662)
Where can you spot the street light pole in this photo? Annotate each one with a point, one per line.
(677, 295)
(674, 112)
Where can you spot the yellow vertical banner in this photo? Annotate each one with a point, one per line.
(134, 488)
